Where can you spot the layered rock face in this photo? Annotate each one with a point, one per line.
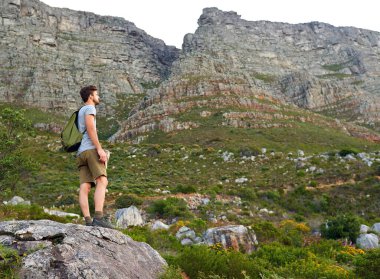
(55, 250)
(47, 54)
(233, 63)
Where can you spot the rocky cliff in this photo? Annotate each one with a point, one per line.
(230, 63)
(253, 73)
(47, 54)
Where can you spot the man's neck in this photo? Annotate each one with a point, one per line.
(89, 104)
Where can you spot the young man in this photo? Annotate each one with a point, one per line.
(91, 159)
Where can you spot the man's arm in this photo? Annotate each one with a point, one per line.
(92, 133)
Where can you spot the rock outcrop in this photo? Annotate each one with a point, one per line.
(56, 250)
(237, 237)
(47, 54)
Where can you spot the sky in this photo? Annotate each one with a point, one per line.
(171, 20)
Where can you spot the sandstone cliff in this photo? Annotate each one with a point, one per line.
(47, 54)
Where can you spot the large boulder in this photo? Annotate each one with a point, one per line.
(76, 251)
(130, 216)
(368, 241)
(237, 237)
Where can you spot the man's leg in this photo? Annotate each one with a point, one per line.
(100, 193)
(84, 190)
(99, 197)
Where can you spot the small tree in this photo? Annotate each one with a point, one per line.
(14, 128)
(342, 226)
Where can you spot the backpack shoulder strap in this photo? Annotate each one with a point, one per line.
(77, 119)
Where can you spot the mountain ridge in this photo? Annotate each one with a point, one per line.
(49, 53)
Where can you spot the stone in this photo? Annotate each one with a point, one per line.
(130, 216)
(76, 251)
(367, 241)
(186, 241)
(18, 200)
(158, 225)
(239, 237)
(185, 232)
(376, 228)
(364, 229)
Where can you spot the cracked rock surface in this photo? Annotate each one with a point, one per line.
(76, 251)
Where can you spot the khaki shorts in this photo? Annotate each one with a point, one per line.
(89, 166)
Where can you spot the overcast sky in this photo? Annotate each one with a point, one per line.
(171, 20)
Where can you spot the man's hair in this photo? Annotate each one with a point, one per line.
(85, 92)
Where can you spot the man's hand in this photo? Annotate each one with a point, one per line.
(102, 155)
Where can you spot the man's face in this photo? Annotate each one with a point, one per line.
(95, 97)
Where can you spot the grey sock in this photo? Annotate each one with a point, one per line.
(88, 219)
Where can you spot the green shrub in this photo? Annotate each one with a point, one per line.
(280, 255)
(9, 262)
(265, 231)
(198, 225)
(185, 189)
(169, 208)
(196, 260)
(368, 265)
(314, 268)
(126, 201)
(160, 240)
(345, 152)
(342, 226)
(172, 272)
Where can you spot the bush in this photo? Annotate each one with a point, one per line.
(280, 255)
(185, 189)
(292, 233)
(265, 231)
(172, 272)
(169, 208)
(368, 265)
(342, 226)
(9, 262)
(160, 240)
(345, 152)
(126, 201)
(197, 261)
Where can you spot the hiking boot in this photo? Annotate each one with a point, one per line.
(102, 222)
(88, 224)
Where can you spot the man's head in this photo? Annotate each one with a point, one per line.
(90, 94)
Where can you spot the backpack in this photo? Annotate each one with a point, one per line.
(71, 138)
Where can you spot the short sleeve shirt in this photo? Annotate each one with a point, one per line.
(86, 143)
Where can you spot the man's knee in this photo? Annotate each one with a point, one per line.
(102, 180)
(85, 188)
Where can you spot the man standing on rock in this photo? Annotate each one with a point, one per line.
(91, 159)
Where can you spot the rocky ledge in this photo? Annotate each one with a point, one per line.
(56, 250)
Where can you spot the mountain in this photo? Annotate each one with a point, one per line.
(47, 54)
(258, 75)
(229, 73)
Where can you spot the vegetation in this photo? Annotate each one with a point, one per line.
(13, 129)
(284, 183)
